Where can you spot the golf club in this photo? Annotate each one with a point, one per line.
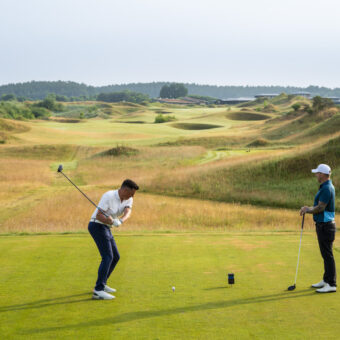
(297, 266)
(60, 169)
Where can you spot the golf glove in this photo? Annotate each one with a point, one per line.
(117, 222)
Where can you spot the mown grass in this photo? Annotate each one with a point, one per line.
(54, 275)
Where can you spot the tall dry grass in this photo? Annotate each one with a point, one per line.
(17, 176)
(66, 210)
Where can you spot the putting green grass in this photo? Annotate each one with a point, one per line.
(46, 282)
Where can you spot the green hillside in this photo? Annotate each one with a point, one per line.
(282, 182)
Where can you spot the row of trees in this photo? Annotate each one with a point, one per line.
(37, 90)
(124, 96)
(57, 97)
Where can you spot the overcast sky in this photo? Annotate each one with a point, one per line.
(222, 42)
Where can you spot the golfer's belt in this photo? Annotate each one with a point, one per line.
(96, 221)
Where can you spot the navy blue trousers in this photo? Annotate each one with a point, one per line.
(326, 235)
(108, 250)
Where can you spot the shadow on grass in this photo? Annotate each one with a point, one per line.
(146, 314)
(46, 302)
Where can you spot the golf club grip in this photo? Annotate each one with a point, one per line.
(303, 221)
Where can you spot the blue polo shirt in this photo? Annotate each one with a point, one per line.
(326, 194)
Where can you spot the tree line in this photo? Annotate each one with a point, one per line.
(71, 91)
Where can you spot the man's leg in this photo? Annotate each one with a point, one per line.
(326, 236)
(116, 257)
(102, 238)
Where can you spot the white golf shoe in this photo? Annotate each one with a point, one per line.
(320, 284)
(326, 289)
(108, 289)
(101, 295)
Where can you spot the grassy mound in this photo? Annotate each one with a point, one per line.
(269, 108)
(328, 153)
(132, 122)
(118, 151)
(282, 182)
(66, 120)
(253, 103)
(163, 111)
(209, 142)
(128, 104)
(327, 127)
(47, 152)
(282, 99)
(3, 137)
(245, 116)
(259, 142)
(10, 126)
(195, 126)
(307, 126)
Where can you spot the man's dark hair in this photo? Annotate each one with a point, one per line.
(128, 183)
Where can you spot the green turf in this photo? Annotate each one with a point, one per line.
(46, 283)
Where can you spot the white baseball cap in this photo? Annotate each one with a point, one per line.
(323, 168)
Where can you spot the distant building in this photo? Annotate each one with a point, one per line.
(336, 100)
(266, 95)
(195, 100)
(302, 94)
(233, 101)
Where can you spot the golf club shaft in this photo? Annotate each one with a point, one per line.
(103, 212)
(297, 265)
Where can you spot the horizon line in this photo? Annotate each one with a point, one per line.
(167, 82)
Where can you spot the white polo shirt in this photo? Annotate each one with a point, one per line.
(111, 204)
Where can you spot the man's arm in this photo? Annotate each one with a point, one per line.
(313, 210)
(126, 214)
(102, 218)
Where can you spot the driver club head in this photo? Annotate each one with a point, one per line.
(292, 287)
(60, 168)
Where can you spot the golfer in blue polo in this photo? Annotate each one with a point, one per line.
(117, 205)
(324, 214)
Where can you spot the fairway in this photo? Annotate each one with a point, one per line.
(47, 281)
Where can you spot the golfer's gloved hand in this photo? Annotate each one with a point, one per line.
(117, 222)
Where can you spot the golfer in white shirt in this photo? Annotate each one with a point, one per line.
(117, 205)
